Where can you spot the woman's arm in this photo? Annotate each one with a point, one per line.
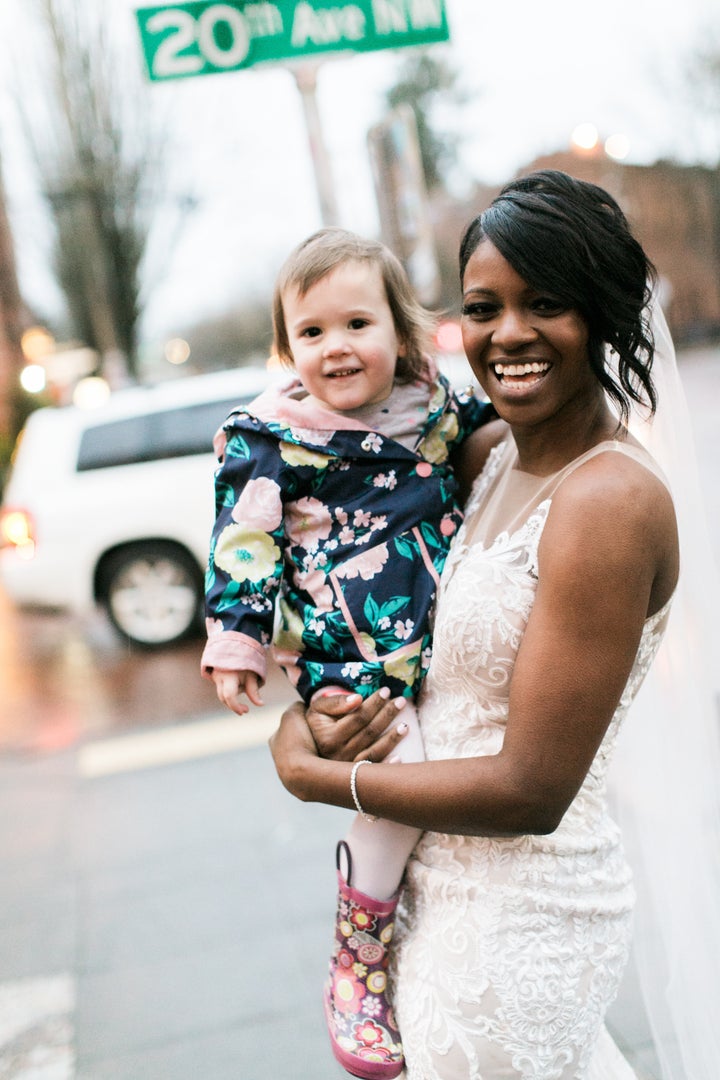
(608, 555)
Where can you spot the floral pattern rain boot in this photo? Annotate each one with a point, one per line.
(363, 1032)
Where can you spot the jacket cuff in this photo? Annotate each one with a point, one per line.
(232, 651)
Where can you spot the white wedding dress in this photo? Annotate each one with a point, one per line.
(509, 951)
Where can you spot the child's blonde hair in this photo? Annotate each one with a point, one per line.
(329, 248)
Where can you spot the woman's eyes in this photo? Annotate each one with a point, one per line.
(479, 310)
(548, 305)
(483, 310)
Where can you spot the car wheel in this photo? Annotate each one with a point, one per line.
(152, 593)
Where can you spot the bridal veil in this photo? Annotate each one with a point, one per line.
(666, 776)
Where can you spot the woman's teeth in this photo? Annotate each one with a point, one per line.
(534, 368)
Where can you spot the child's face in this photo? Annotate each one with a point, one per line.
(342, 337)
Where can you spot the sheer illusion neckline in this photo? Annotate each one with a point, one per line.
(504, 497)
(606, 445)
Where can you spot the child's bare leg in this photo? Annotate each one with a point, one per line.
(381, 848)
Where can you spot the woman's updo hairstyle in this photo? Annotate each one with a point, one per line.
(570, 238)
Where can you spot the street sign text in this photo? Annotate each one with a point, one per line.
(200, 38)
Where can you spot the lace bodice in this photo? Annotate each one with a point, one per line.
(485, 599)
(510, 949)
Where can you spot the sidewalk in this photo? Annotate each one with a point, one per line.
(162, 923)
(165, 914)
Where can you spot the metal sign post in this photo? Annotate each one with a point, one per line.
(306, 81)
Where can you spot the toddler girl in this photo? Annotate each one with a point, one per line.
(335, 503)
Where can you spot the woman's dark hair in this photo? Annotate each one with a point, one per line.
(570, 238)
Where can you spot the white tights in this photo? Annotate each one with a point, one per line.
(381, 848)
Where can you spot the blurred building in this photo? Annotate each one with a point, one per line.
(673, 209)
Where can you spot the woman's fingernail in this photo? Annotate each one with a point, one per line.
(353, 699)
(384, 692)
(400, 702)
(397, 760)
(401, 728)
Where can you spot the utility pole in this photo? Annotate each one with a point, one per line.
(11, 358)
(402, 200)
(306, 80)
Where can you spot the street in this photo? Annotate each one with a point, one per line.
(166, 907)
(66, 680)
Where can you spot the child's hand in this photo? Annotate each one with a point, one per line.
(230, 685)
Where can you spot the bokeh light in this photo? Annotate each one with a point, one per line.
(617, 146)
(91, 392)
(33, 378)
(585, 136)
(37, 344)
(177, 350)
(448, 337)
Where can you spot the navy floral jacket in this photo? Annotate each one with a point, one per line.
(329, 542)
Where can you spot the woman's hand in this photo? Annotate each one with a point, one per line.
(342, 727)
(347, 728)
(293, 748)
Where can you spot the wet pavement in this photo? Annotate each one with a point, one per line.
(163, 921)
(67, 679)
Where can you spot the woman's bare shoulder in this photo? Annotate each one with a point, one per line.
(473, 453)
(615, 478)
(616, 511)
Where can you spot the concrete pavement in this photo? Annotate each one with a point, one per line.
(162, 921)
(165, 914)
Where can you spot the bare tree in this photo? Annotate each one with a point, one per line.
(98, 149)
(10, 350)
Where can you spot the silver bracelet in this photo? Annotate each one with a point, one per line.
(353, 789)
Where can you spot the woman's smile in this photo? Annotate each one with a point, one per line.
(525, 374)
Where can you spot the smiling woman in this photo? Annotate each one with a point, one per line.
(515, 924)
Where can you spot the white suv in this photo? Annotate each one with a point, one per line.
(114, 505)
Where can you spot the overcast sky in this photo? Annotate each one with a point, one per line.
(531, 71)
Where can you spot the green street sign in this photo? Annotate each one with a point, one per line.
(201, 38)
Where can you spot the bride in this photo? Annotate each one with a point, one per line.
(515, 924)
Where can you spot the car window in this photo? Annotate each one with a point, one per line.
(165, 434)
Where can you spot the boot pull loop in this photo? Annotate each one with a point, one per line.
(340, 850)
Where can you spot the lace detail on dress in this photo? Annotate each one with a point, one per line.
(509, 950)
(485, 479)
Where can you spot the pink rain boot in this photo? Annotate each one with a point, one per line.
(363, 1033)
